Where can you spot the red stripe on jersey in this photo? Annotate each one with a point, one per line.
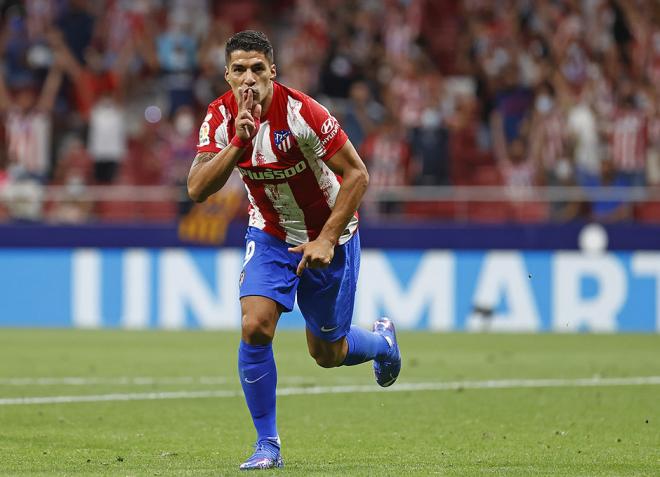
(270, 215)
(629, 141)
(553, 144)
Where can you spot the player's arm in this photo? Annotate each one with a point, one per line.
(48, 94)
(345, 163)
(210, 171)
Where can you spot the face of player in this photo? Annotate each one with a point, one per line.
(250, 70)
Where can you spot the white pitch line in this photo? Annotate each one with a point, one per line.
(132, 381)
(400, 387)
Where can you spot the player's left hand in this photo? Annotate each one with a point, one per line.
(316, 254)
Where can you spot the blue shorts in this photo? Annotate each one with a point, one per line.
(325, 296)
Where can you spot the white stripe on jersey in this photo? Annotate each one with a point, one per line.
(262, 152)
(28, 140)
(327, 180)
(221, 133)
(313, 150)
(291, 216)
(256, 218)
(309, 143)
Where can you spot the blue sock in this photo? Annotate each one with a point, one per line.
(258, 375)
(364, 345)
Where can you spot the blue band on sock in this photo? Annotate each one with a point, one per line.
(364, 345)
(258, 375)
(254, 353)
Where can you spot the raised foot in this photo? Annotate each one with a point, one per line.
(387, 370)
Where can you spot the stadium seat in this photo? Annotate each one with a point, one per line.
(648, 212)
(530, 212)
(163, 211)
(487, 175)
(431, 210)
(489, 212)
(117, 211)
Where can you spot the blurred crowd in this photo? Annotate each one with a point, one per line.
(512, 93)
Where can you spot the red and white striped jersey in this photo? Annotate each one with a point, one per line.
(28, 140)
(654, 131)
(552, 136)
(388, 159)
(629, 140)
(290, 187)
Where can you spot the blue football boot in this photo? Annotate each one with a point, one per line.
(266, 456)
(387, 370)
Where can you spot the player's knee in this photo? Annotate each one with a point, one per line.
(257, 330)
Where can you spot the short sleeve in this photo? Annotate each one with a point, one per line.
(214, 131)
(325, 128)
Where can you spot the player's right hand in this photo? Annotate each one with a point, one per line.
(249, 116)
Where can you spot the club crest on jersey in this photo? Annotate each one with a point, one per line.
(283, 140)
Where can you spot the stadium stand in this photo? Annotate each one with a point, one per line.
(440, 93)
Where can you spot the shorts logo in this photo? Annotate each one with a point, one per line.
(241, 278)
(249, 252)
(327, 125)
(283, 140)
(328, 330)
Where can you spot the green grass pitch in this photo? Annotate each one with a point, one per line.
(570, 430)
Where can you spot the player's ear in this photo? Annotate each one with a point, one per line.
(273, 71)
(226, 74)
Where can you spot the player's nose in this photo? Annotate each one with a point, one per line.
(250, 80)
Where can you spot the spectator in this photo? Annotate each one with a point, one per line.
(566, 209)
(653, 156)
(74, 172)
(583, 133)
(107, 137)
(27, 111)
(608, 210)
(629, 140)
(386, 153)
(77, 27)
(363, 113)
(177, 56)
(430, 141)
(512, 105)
(545, 76)
(518, 171)
(548, 141)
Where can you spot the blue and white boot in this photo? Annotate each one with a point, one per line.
(266, 455)
(387, 370)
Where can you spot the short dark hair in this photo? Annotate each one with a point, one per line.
(249, 40)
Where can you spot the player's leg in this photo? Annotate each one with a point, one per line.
(258, 375)
(267, 287)
(327, 354)
(256, 363)
(356, 347)
(326, 298)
